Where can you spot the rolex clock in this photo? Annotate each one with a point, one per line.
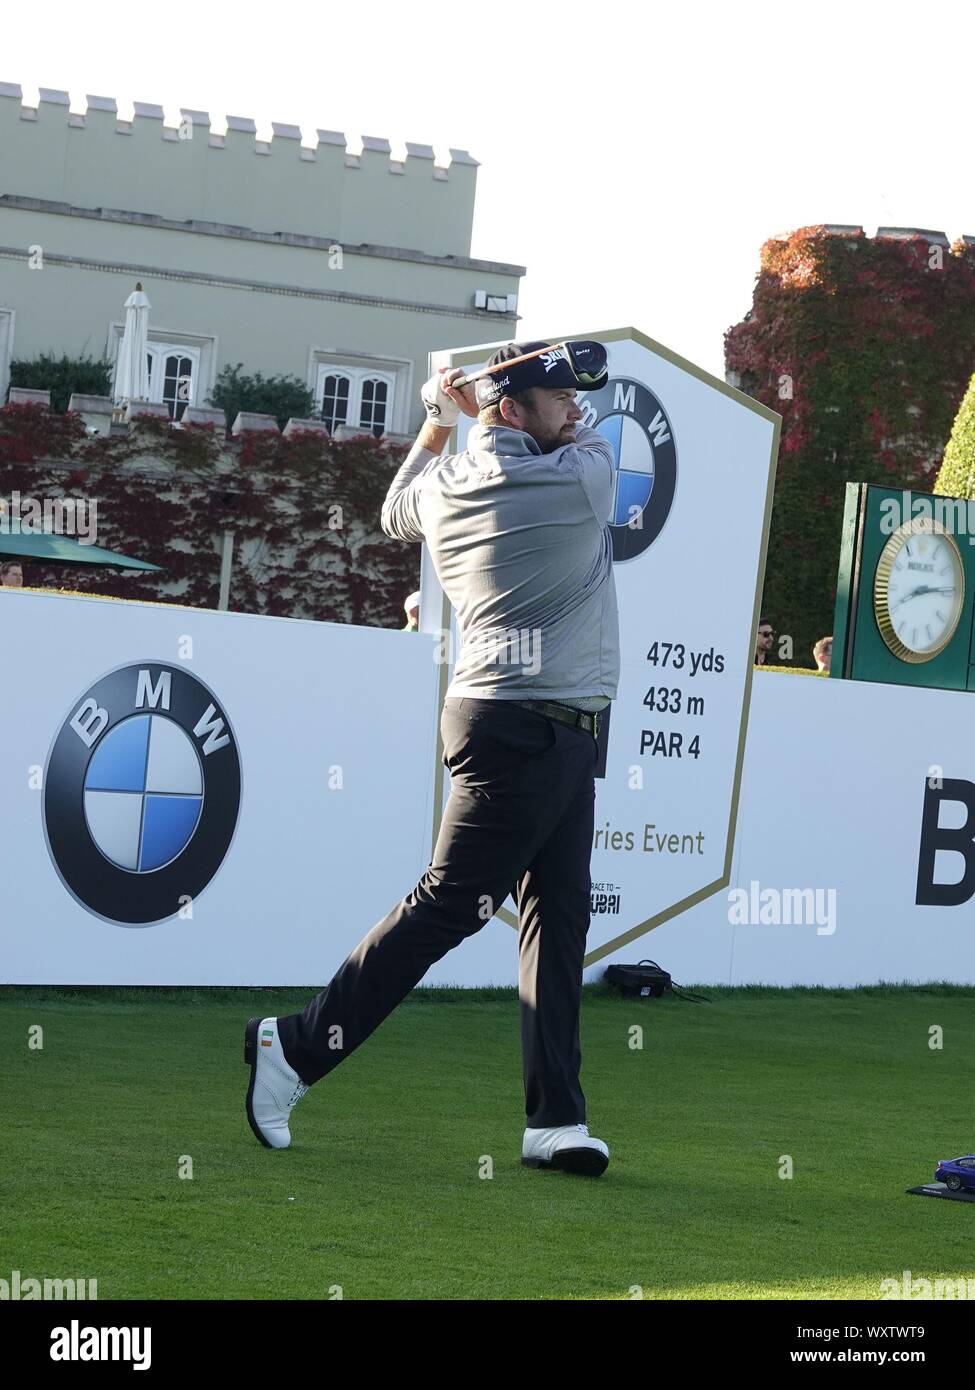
(919, 590)
(904, 598)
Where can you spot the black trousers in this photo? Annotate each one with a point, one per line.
(519, 819)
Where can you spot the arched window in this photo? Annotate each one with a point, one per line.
(363, 398)
(373, 407)
(177, 391)
(173, 376)
(335, 399)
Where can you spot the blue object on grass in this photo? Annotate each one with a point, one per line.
(957, 1173)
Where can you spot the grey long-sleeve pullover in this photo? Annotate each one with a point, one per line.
(522, 548)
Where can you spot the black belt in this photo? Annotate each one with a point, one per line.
(578, 718)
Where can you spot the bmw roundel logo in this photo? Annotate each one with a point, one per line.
(141, 793)
(631, 417)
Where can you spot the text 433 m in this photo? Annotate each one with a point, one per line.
(669, 699)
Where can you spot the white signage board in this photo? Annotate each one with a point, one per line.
(855, 855)
(853, 863)
(192, 797)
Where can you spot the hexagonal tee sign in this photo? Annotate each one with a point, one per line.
(695, 467)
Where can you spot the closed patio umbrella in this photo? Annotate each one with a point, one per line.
(132, 373)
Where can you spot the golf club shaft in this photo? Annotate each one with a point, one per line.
(502, 366)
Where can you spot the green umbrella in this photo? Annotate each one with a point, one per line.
(64, 551)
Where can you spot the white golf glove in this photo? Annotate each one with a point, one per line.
(441, 410)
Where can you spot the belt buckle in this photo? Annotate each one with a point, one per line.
(595, 723)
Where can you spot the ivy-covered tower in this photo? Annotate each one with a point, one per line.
(864, 345)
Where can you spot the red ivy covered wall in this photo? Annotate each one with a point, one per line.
(864, 346)
(304, 512)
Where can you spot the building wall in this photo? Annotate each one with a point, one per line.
(95, 160)
(235, 244)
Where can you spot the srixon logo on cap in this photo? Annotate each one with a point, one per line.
(552, 359)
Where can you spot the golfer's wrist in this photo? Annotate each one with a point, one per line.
(433, 436)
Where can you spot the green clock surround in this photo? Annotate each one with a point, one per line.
(904, 595)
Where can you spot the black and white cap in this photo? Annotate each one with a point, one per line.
(552, 369)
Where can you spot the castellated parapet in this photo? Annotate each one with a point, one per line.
(185, 173)
(852, 233)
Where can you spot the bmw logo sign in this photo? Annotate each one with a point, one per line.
(631, 417)
(141, 793)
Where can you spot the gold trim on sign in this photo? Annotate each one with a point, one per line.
(917, 526)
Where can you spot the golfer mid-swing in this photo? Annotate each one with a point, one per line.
(517, 528)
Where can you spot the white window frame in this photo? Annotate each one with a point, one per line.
(327, 369)
(357, 377)
(163, 342)
(357, 367)
(7, 323)
(390, 380)
(158, 352)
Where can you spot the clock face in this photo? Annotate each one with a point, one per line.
(919, 590)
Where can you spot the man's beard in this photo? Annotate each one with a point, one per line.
(549, 441)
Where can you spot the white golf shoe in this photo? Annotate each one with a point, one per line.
(275, 1088)
(569, 1147)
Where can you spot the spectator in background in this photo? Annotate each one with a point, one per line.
(412, 606)
(763, 642)
(823, 653)
(12, 574)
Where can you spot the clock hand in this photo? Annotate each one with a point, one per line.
(920, 591)
(913, 594)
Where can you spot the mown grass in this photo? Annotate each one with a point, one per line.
(383, 1192)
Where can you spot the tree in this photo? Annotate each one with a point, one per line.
(284, 397)
(956, 476)
(864, 346)
(62, 376)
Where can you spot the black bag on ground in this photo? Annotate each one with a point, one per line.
(647, 980)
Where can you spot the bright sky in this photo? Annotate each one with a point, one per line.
(634, 159)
